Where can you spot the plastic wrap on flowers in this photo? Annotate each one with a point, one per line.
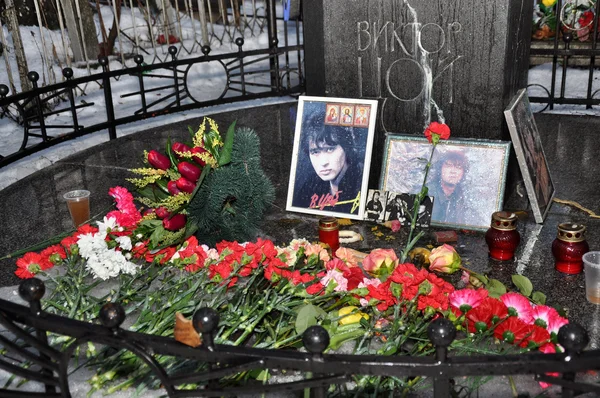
(230, 203)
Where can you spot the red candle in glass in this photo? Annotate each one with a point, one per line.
(329, 232)
(503, 238)
(569, 247)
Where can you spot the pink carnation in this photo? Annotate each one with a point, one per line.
(518, 305)
(338, 277)
(467, 299)
(555, 323)
(542, 314)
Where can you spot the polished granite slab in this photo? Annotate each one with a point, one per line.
(33, 209)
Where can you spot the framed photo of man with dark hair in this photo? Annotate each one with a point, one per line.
(530, 155)
(466, 178)
(331, 160)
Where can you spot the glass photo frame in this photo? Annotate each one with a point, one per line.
(331, 156)
(530, 155)
(466, 179)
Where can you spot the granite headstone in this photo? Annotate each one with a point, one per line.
(454, 61)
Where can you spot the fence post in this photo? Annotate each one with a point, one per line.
(441, 332)
(273, 42)
(68, 74)
(32, 290)
(110, 110)
(3, 93)
(34, 77)
(574, 339)
(240, 42)
(139, 60)
(173, 52)
(316, 340)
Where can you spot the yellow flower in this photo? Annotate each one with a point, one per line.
(353, 318)
(548, 3)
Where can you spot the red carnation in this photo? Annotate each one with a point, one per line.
(315, 288)
(438, 302)
(512, 330)
(436, 131)
(30, 264)
(538, 337)
(54, 254)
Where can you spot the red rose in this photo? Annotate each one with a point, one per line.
(178, 147)
(158, 160)
(436, 131)
(199, 151)
(161, 212)
(172, 188)
(175, 223)
(189, 171)
(185, 185)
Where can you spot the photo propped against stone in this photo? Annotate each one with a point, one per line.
(466, 179)
(332, 155)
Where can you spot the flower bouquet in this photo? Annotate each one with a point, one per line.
(268, 295)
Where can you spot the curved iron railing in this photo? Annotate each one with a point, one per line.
(275, 70)
(50, 365)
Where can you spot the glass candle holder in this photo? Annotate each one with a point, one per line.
(329, 232)
(569, 247)
(503, 238)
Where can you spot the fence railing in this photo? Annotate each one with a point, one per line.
(573, 27)
(50, 366)
(54, 113)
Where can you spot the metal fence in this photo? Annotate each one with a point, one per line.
(57, 112)
(28, 355)
(566, 37)
(131, 27)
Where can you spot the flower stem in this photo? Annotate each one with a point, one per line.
(415, 209)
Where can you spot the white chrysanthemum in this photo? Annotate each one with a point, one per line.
(90, 244)
(109, 223)
(124, 242)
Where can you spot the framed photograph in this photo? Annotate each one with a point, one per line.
(399, 207)
(376, 203)
(466, 179)
(331, 160)
(530, 155)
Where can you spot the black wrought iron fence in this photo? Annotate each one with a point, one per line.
(55, 113)
(566, 35)
(50, 366)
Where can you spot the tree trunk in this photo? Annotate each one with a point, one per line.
(13, 27)
(82, 32)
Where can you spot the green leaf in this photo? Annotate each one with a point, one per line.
(225, 155)
(171, 155)
(484, 279)
(538, 298)
(496, 288)
(192, 132)
(157, 236)
(523, 284)
(264, 375)
(307, 317)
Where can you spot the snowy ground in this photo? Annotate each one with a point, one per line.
(209, 82)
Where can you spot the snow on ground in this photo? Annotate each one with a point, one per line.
(206, 81)
(576, 84)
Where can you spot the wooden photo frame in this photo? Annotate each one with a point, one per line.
(329, 176)
(466, 179)
(530, 155)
